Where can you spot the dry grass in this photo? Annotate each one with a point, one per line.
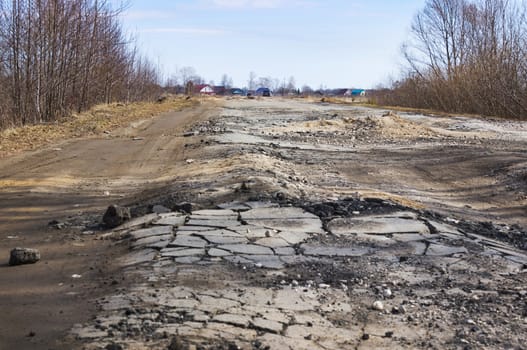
(432, 112)
(344, 100)
(99, 119)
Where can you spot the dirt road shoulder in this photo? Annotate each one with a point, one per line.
(72, 184)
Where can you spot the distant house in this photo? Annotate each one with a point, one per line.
(203, 89)
(357, 92)
(338, 92)
(219, 90)
(263, 91)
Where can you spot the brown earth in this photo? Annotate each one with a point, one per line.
(73, 183)
(423, 162)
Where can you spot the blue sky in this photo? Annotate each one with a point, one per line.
(334, 43)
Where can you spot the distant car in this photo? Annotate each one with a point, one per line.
(263, 92)
(237, 92)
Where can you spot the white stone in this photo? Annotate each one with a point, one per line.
(378, 305)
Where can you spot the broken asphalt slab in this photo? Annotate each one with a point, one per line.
(290, 308)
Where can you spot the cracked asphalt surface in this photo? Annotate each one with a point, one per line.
(318, 226)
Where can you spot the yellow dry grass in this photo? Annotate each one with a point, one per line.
(99, 119)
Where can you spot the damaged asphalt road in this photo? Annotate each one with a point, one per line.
(271, 277)
(326, 227)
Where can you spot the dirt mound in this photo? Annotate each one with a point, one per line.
(341, 129)
(390, 126)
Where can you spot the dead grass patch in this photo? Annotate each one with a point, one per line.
(96, 121)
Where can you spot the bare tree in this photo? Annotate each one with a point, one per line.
(62, 55)
(307, 90)
(466, 56)
(251, 83)
(226, 81)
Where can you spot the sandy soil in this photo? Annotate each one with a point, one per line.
(72, 183)
(462, 167)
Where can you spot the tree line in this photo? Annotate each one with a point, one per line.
(181, 76)
(466, 56)
(60, 56)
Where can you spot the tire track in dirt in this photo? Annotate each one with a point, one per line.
(41, 302)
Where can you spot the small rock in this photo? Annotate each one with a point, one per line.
(57, 224)
(22, 256)
(116, 215)
(184, 208)
(388, 334)
(378, 305)
(113, 346)
(280, 196)
(160, 209)
(175, 344)
(365, 336)
(233, 346)
(387, 293)
(245, 187)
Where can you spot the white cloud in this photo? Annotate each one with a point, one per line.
(183, 30)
